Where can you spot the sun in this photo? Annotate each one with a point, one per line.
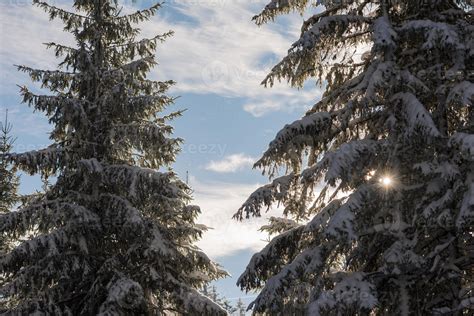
(386, 181)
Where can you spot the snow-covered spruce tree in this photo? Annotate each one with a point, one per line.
(392, 139)
(113, 235)
(241, 307)
(211, 292)
(9, 180)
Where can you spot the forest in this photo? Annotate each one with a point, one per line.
(285, 157)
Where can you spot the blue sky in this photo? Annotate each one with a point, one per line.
(218, 57)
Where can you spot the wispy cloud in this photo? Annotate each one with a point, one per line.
(230, 55)
(216, 49)
(23, 30)
(218, 202)
(232, 163)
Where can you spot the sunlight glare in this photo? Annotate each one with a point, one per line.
(386, 181)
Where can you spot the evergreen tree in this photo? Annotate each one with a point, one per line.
(241, 307)
(113, 235)
(219, 299)
(391, 232)
(227, 305)
(9, 181)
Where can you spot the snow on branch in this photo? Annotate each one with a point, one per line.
(143, 47)
(146, 87)
(321, 219)
(91, 166)
(328, 26)
(136, 67)
(69, 263)
(381, 75)
(276, 7)
(438, 205)
(71, 20)
(384, 36)
(271, 259)
(341, 223)
(435, 33)
(278, 225)
(353, 293)
(462, 94)
(342, 163)
(46, 160)
(60, 49)
(412, 82)
(465, 218)
(267, 195)
(70, 236)
(141, 15)
(295, 137)
(63, 110)
(465, 143)
(146, 102)
(119, 216)
(466, 303)
(158, 246)
(123, 295)
(377, 82)
(307, 56)
(401, 257)
(202, 262)
(44, 216)
(55, 80)
(336, 220)
(194, 303)
(149, 138)
(417, 116)
(141, 184)
(308, 262)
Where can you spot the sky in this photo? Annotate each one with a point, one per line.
(218, 57)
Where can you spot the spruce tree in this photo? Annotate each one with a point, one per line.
(114, 235)
(221, 300)
(9, 180)
(392, 141)
(241, 307)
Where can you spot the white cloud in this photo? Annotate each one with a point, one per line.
(219, 202)
(23, 30)
(232, 163)
(227, 54)
(216, 49)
